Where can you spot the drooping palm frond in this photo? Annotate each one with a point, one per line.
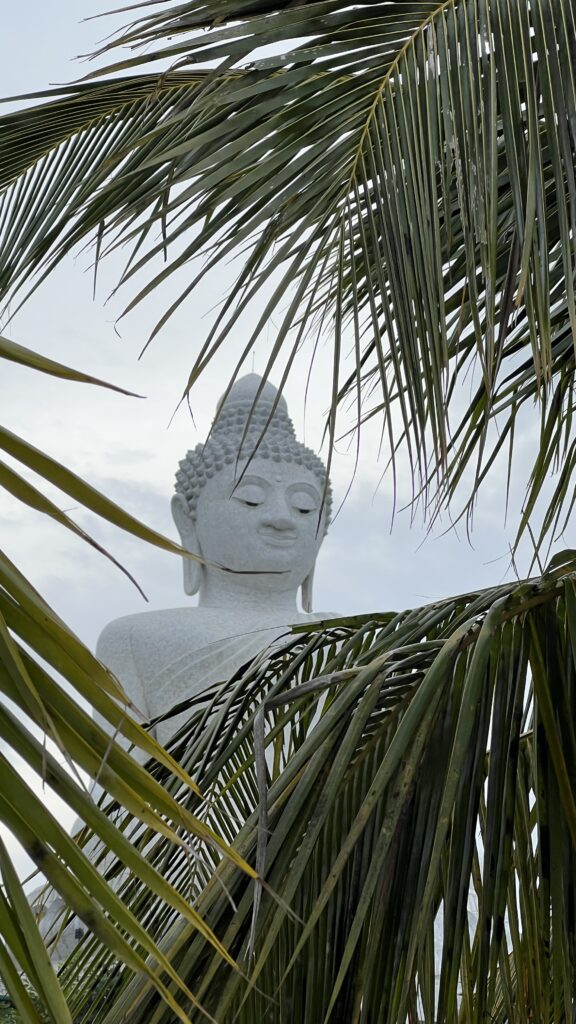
(47, 679)
(57, 155)
(407, 785)
(403, 172)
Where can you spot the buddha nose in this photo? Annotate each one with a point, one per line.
(278, 520)
(276, 515)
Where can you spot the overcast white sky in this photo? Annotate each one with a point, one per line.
(124, 446)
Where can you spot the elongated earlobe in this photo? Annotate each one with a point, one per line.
(192, 569)
(307, 592)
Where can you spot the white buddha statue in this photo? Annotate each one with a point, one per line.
(257, 516)
(258, 523)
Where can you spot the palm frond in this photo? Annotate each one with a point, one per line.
(58, 154)
(37, 653)
(15, 353)
(413, 800)
(403, 171)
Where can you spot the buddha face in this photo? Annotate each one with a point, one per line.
(263, 521)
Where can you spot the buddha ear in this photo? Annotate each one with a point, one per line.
(187, 530)
(307, 585)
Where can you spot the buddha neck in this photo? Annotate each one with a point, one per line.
(240, 594)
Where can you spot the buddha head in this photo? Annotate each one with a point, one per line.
(252, 499)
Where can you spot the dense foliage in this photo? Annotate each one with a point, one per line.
(406, 783)
(397, 178)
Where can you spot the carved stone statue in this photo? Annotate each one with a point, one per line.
(253, 503)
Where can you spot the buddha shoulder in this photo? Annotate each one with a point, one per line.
(135, 641)
(136, 633)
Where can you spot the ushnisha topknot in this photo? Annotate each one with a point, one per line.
(222, 448)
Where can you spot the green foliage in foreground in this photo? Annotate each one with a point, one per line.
(10, 1015)
(37, 650)
(396, 177)
(403, 175)
(381, 773)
